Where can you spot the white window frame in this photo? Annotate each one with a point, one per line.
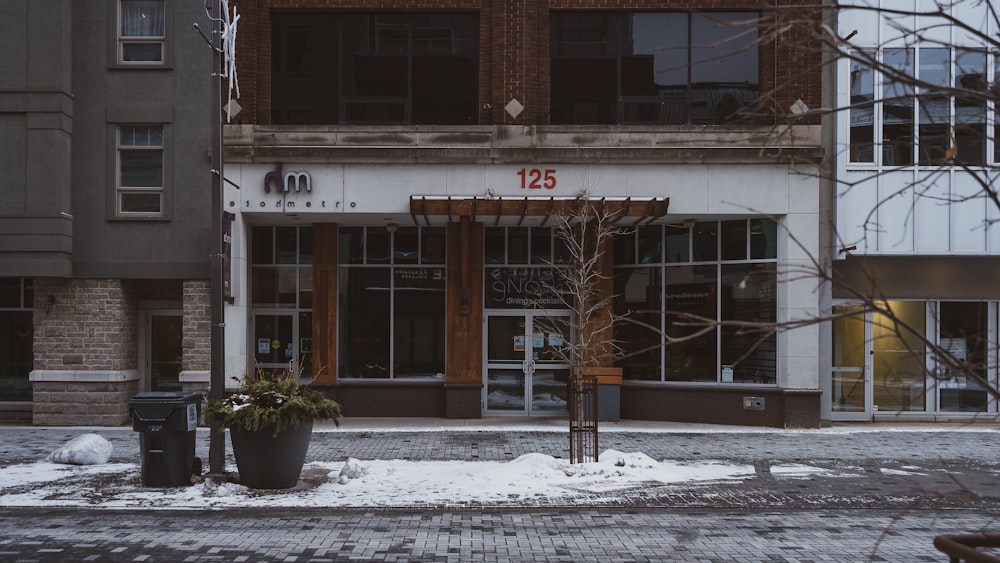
(121, 190)
(126, 40)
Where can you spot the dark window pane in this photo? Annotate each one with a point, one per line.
(724, 65)
(140, 202)
(364, 322)
(678, 247)
(690, 307)
(495, 243)
(377, 245)
(274, 287)
(517, 245)
(584, 67)
(749, 294)
(141, 18)
(16, 355)
(305, 287)
(286, 239)
(10, 293)
(705, 241)
(935, 107)
(405, 245)
(433, 246)
(650, 244)
(142, 52)
(734, 240)
(763, 239)
(352, 245)
(262, 245)
(375, 68)
(964, 337)
(541, 245)
(305, 245)
(419, 323)
(625, 248)
(141, 168)
(637, 293)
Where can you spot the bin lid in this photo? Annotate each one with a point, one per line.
(165, 398)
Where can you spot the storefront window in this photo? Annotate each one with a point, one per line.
(675, 301)
(392, 303)
(962, 334)
(281, 297)
(16, 328)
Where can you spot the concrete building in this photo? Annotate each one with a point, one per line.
(393, 178)
(400, 166)
(103, 215)
(915, 149)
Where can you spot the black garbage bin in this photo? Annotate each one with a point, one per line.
(167, 423)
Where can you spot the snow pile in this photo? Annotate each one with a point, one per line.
(530, 480)
(86, 449)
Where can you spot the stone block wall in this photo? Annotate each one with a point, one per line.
(85, 344)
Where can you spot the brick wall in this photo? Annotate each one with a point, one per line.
(85, 351)
(92, 325)
(514, 48)
(197, 340)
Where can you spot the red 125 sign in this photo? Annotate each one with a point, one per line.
(536, 179)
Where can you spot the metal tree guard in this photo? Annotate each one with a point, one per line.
(582, 394)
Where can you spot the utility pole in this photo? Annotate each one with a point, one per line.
(217, 379)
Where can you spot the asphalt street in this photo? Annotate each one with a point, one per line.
(874, 493)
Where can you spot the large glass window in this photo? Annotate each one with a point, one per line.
(392, 302)
(962, 332)
(375, 68)
(932, 102)
(16, 329)
(141, 31)
(653, 67)
(709, 275)
(140, 170)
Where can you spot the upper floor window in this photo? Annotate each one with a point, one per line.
(141, 31)
(653, 67)
(140, 170)
(926, 106)
(380, 68)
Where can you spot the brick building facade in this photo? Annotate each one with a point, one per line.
(401, 164)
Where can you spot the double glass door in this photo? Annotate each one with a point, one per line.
(526, 370)
(894, 365)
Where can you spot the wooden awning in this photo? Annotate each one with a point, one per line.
(627, 210)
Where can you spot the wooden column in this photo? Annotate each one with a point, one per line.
(324, 321)
(464, 362)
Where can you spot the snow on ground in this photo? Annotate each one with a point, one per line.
(529, 479)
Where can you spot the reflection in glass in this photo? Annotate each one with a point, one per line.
(848, 372)
(690, 308)
(638, 297)
(935, 107)
(749, 294)
(970, 109)
(862, 113)
(418, 323)
(898, 358)
(897, 109)
(963, 335)
(364, 301)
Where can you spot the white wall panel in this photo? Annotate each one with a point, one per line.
(931, 213)
(855, 201)
(895, 213)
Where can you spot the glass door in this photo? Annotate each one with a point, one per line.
(165, 350)
(525, 371)
(852, 369)
(274, 343)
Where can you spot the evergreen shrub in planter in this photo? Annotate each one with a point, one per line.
(270, 420)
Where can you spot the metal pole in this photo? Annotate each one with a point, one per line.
(217, 381)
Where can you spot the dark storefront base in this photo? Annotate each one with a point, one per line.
(782, 408)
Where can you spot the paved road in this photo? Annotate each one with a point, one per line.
(884, 495)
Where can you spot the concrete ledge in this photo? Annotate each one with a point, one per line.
(83, 376)
(195, 376)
